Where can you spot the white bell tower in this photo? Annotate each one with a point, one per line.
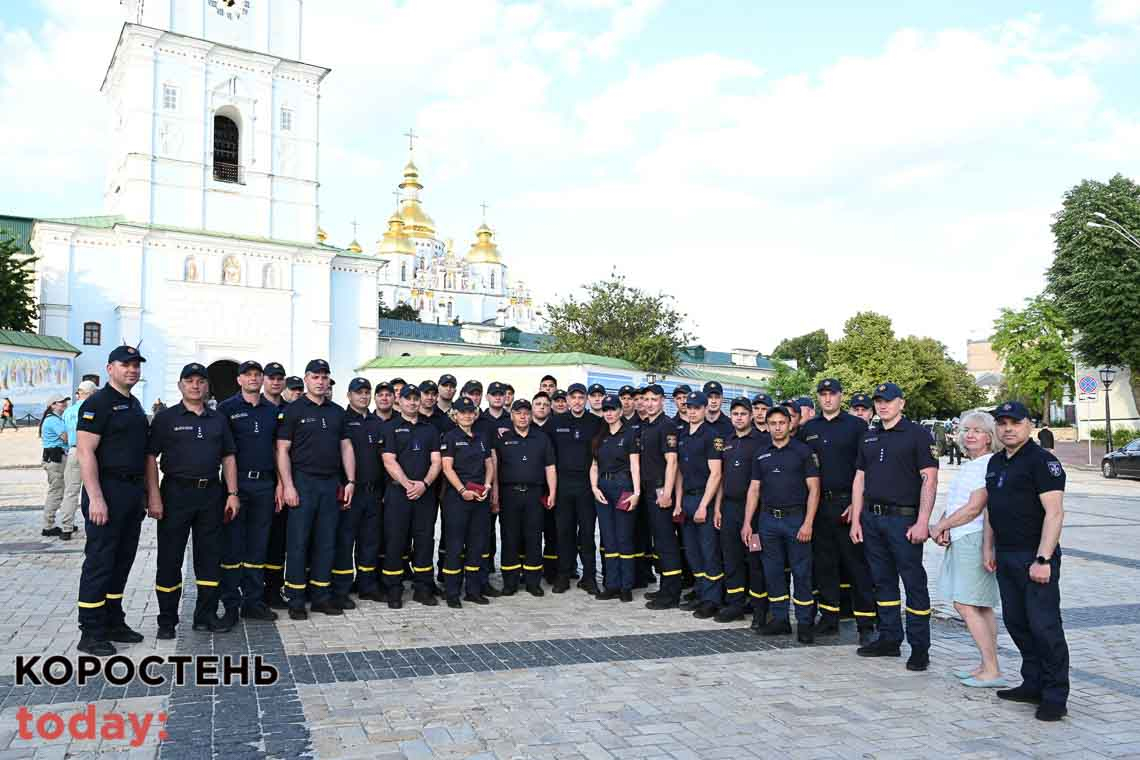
(216, 118)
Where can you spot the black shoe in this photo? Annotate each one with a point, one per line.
(729, 614)
(590, 588)
(275, 601)
(298, 613)
(436, 590)
(327, 607)
(230, 618)
(1020, 694)
(344, 602)
(373, 596)
(476, 599)
(706, 610)
(627, 596)
(866, 636)
(98, 647)
(777, 628)
(689, 596)
(212, 624)
(690, 605)
(919, 660)
(651, 595)
(758, 620)
(574, 575)
(396, 599)
(582, 584)
(805, 634)
(879, 648)
(51, 532)
(66, 535)
(165, 632)
(510, 590)
(827, 627)
(124, 635)
(610, 593)
(535, 591)
(454, 603)
(259, 612)
(661, 603)
(425, 597)
(561, 585)
(1051, 712)
(491, 591)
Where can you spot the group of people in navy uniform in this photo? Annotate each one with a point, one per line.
(298, 503)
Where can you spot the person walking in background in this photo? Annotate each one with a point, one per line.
(53, 435)
(72, 475)
(1045, 437)
(7, 415)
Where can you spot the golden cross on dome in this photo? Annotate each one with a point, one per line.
(484, 206)
(354, 228)
(411, 135)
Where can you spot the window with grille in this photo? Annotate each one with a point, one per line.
(92, 334)
(169, 97)
(227, 166)
(286, 120)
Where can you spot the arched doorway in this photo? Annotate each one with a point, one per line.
(223, 379)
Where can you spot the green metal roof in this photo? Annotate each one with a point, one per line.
(497, 360)
(20, 229)
(31, 340)
(98, 222)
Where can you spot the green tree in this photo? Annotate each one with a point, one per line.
(616, 319)
(1035, 343)
(789, 383)
(1095, 275)
(808, 351)
(17, 286)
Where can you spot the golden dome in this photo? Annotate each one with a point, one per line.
(322, 236)
(416, 221)
(395, 240)
(354, 247)
(484, 250)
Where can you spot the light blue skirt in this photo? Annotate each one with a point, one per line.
(963, 578)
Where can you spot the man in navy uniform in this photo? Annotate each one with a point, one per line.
(193, 442)
(699, 450)
(548, 384)
(658, 479)
(834, 437)
(558, 402)
(892, 496)
(785, 486)
(761, 403)
(680, 417)
(525, 467)
(1025, 486)
(736, 464)
(252, 419)
(111, 446)
(411, 457)
(358, 530)
(492, 424)
(447, 387)
(442, 422)
(596, 394)
(294, 389)
(719, 421)
(862, 407)
(575, 510)
(625, 397)
(276, 391)
(313, 448)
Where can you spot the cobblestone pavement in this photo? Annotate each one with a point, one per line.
(571, 677)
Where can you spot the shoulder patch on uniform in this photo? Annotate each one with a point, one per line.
(934, 450)
(718, 443)
(89, 416)
(671, 440)
(1055, 469)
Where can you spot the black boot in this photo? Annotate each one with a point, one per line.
(98, 647)
(124, 634)
(777, 628)
(879, 648)
(805, 634)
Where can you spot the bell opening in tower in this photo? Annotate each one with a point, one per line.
(227, 164)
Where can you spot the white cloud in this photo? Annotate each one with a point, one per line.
(627, 22)
(917, 175)
(1117, 11)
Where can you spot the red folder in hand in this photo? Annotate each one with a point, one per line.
(478, 488)
(754, 543)
(544, 500)
(679, 518)
(624, 501)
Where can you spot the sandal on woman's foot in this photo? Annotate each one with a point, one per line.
(993, 683)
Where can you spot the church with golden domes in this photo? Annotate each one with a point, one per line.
(425, 271)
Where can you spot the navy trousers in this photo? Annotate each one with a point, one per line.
(311, 540)
(891, 556)
(189, 510)
(665, 544)
(358, 542)
(832, 551)
(1031, 612)
(780, 550)
(520, 521)
(109, 554)
(404, 518)
(702, 547)
(245, 542)
(734, 553)
(617, 529)
(466, 523)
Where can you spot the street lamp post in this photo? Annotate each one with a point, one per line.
(1107, 375)
(1115, 226)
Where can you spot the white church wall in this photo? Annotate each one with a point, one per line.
(354, 316)
(312, 308)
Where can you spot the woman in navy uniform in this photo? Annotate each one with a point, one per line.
(193, 442)
(616, 470)
(111, 446)
(699, 473)
(466, 458)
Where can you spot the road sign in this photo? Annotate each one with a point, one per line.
(1088, 384)
(1087, 396)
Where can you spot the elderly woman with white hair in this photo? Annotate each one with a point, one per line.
(967, 576)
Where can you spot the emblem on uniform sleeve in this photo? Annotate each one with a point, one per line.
(815, 459)
(718, 444)
(933, 451)
(89, 416)
(670, 440)
(1055, 469)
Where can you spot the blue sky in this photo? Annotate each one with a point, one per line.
(777, 167)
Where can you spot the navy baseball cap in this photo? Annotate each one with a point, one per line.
(274, 369)
(1014, 410)
(398, 381)
(246, 366)
(860, 399)
(576, 388)
(409, 391)
(596, 388)
(654, 388)
(740, 401)
(713, 387)
(359, 384)
(447, 380)
(887, 392)
(780, 409)
(682, 390)
(383, 385)
(473, 386)
(829, 384)
(496, 389)
(763, 398)
(429, 386)
(626, 390)
(559, 395)
(520, 403)
(611, 402)
(125, 354)
(464, 405)
(791, 405)
(294, 383)
(317, 365)
(192, 369)
(696, 399)
(804, 401)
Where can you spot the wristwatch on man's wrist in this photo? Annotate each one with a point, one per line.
(1042, 560)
